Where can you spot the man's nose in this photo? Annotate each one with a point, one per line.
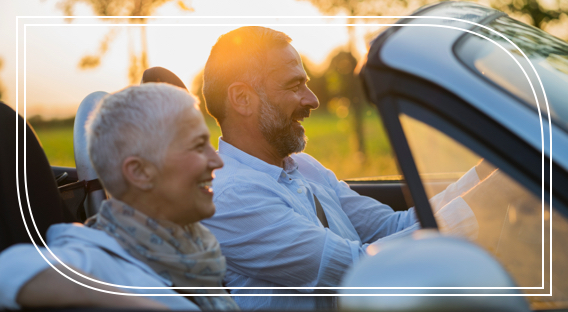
(310, 99)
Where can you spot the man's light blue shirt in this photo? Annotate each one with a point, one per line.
(268, 228)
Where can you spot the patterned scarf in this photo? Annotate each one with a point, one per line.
(188, 256)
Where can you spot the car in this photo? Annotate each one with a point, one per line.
(458, 81)
(453, 88)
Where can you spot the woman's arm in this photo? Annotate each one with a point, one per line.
(50, 289)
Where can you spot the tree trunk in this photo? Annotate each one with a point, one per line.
(357, 102)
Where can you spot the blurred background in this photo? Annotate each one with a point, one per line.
(68, 58)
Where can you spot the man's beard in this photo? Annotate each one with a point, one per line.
(279, 130)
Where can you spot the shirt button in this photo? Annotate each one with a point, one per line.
(299, 191)
(283, 174)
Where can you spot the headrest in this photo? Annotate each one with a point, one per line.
(160, 74)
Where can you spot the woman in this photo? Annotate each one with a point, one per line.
(150, 147)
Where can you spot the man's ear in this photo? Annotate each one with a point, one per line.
(139, 173)
(242, 98)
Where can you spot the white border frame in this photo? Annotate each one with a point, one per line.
(268, 25)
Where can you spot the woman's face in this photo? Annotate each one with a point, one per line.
(183, 184)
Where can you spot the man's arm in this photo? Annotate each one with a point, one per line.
(375, 221)
(50, 289)
(372, 219)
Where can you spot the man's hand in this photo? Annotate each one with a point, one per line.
(50, 289)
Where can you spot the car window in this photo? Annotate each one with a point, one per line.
(510, 217)
(548, 55)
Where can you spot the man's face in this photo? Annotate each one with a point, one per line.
(285, 102)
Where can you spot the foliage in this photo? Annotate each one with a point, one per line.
(37, 122)
(136, 8)
(115, 7)
(539, 14)
(359, 7)
(534, 12)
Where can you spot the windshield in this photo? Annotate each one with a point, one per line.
(548, 55)
(513, 223)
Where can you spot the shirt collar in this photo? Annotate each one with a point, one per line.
(229, 150)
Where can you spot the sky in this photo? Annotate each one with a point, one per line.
(52, 47)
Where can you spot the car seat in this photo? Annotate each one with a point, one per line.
(86, 174)
(29, 198)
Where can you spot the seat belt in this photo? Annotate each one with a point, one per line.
(320, 213)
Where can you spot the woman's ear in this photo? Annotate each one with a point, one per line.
(242, 98)
(139, 173)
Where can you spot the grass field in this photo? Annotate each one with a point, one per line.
(331, 141)
(58, 145)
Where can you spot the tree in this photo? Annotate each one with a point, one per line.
(345, 88)
(538, 14)
(534, 12)
(138, 61)
(354, 8)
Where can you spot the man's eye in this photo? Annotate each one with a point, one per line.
(295, 88)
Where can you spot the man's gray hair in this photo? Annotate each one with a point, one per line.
(239, 55)
(137, 121)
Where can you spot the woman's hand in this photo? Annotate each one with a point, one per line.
(50, 289)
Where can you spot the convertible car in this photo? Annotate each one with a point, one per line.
(456, 85)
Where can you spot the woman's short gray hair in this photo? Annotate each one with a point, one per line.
(137, 121)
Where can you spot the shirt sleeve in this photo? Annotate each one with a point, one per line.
(263, 238)
(462, 185)
(452, 213)
(18, 265)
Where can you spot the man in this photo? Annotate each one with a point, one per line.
(268, 196)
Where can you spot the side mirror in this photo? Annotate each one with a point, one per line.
(428, 259)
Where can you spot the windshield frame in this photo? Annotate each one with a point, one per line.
(464, 39)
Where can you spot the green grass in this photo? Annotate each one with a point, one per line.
(331, 141)
(58, 145)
